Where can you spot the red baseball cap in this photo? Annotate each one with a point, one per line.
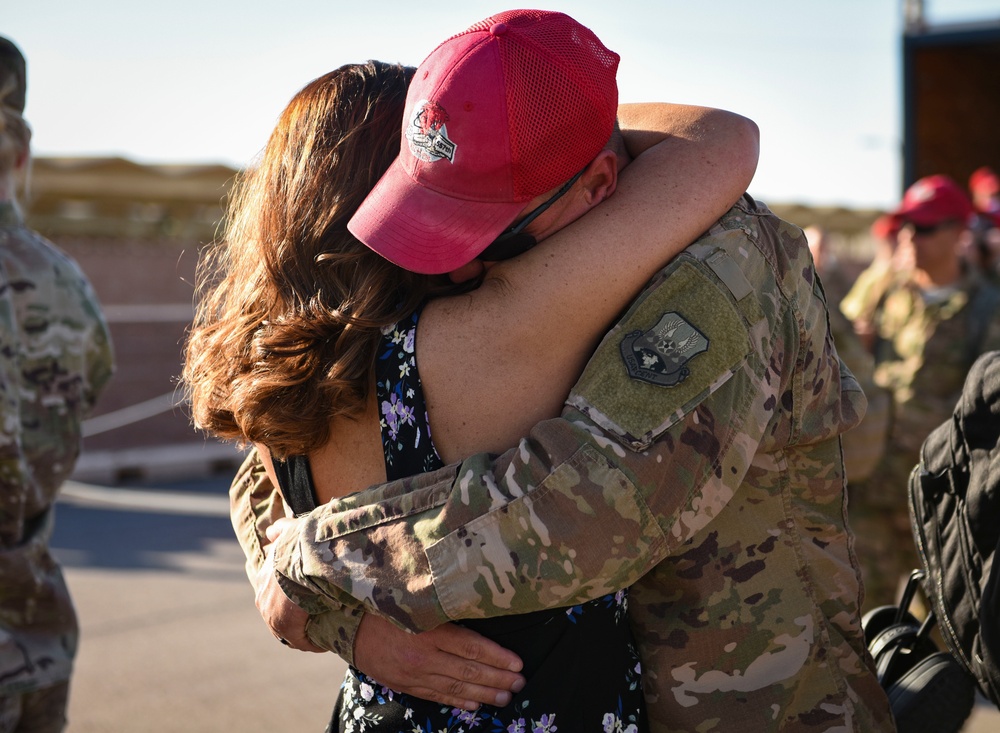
(499, 114)
(933, 200)
(885, 227)
(984, 180)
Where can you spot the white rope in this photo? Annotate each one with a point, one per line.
(163, 502)
(128, 415)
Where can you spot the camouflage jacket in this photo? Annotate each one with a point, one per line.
(697, 459)
(55, 357)
(864, 445)
(862, 298)
(922, 356)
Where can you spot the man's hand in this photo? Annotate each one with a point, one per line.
(451, 665)
(285, 619)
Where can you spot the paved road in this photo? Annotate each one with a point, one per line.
(171, 641)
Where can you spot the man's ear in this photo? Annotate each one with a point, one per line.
(470, 271)
(600, 178)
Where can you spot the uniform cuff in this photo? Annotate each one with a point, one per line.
(334, 630)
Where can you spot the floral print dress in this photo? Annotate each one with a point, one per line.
(580, 663)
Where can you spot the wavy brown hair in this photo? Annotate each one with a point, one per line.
(290, 306)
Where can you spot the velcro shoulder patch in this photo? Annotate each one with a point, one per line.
(677, 345)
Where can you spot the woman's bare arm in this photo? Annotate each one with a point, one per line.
(499, 359)
(644, 124)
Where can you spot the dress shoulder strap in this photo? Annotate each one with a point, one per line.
(406, 432)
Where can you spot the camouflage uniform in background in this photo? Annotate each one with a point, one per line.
(697, 458)
(862, 299)
(922, 356)
(864, 444)
(55, 357)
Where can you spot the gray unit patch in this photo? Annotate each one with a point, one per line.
(661, 354)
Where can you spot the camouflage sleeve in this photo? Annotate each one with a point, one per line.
(13, 467)
(73, 307)
(255, 504)
(862, 299)
(100, 356)
(374, 545)
(57, 359)
(645, 455)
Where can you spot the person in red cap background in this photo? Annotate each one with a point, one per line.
(697, 457)
(983, 251)
(293, 312)
(929, 324)
(985, 188)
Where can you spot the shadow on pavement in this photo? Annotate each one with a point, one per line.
(130, 539)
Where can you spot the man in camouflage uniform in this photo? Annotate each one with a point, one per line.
(930, 325)
(55, 357)
(697, 460)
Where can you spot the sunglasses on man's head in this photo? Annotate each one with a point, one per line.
(515, 240)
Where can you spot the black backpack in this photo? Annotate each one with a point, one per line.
(955, 513)
(954, 498)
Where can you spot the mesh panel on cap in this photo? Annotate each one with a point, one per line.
(560, 92)
(514, 18)
(562, 101)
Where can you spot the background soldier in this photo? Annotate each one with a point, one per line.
(929, 327)
(983, 251)
(55, 358)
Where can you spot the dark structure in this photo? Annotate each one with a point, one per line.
(951, 97)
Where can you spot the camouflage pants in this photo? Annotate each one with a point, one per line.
(41, 711)
(879, 517)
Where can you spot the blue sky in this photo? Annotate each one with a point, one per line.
(204, 81)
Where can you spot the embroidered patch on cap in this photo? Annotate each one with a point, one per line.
(427, 133)
(661, 354)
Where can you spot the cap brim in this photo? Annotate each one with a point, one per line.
(424, 231)
(919, 215)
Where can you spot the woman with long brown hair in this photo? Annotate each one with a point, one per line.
(306, 343)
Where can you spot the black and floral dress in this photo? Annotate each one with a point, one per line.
(580, 663)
